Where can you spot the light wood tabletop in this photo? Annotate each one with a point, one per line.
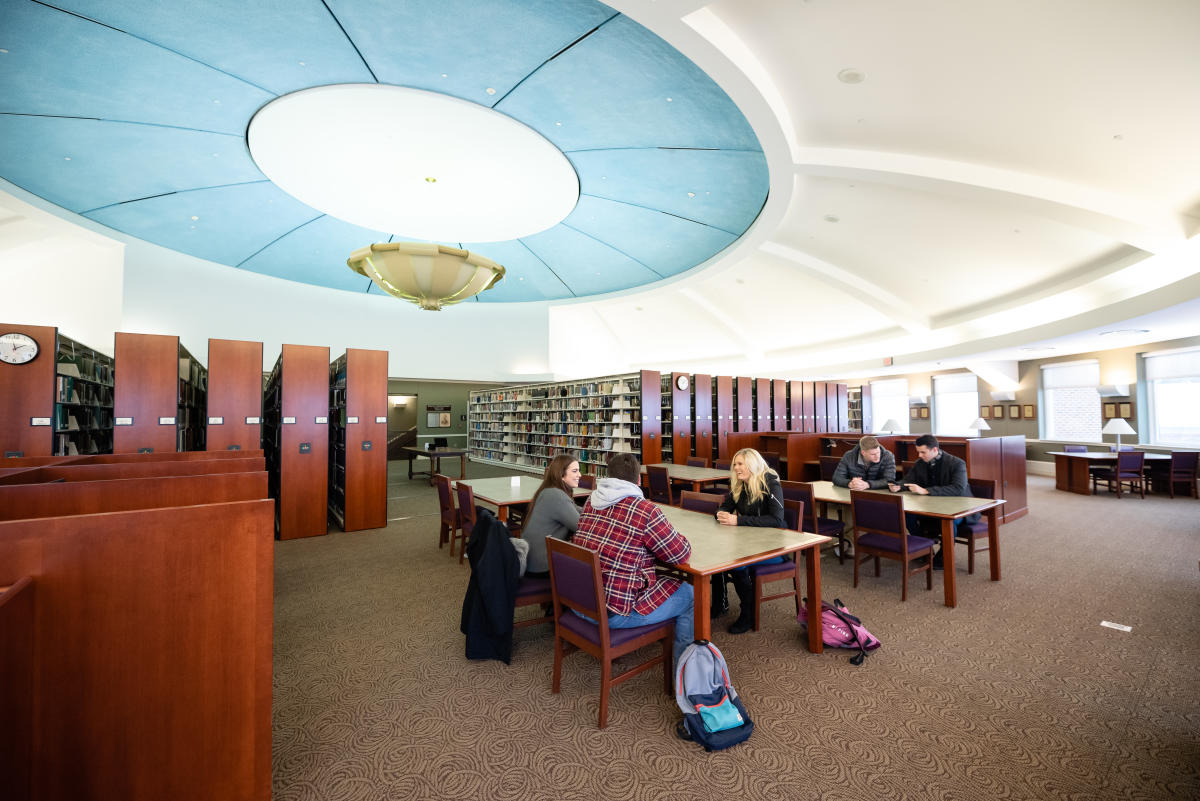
(1072, 471)
(698, 476)
(502, 493)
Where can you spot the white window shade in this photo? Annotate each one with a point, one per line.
(1071, 402)
(1071, 374)
(956, 382)
(889, 401)
(1183, 364)
(955, 403)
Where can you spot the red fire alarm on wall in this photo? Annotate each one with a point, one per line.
(887, 361)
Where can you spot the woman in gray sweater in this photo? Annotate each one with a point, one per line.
(552, 513)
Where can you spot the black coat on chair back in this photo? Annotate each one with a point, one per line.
(487, 613)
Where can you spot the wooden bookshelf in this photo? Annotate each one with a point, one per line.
(29, 408)
(192, 403)
(745, 405)
(666, 410)
(83, 409)
(160, 396)
(652, 418)
(296, 440)
(725, 417)
(703, 416)
(779, 405)
(358, 389)
(234, 395)
(681, 419)
(525, 426)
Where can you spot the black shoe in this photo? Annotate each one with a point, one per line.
(937, 561)
(715, 612)
(742, 625)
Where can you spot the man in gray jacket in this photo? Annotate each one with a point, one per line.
(867, 465)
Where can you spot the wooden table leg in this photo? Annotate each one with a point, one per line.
(1062, 473)
(993, 543)
(812, 570)
(410, 461)
(502, 513)
(435, 466)
(702, 597)
(462, 466)
(948, 561)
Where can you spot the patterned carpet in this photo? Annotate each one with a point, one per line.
(1019, 693)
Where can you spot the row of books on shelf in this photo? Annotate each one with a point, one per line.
(193, 372)
(190, 394)
(600, 427)
(82, 418)
(82, 392)
(82, 442)
(85, 367)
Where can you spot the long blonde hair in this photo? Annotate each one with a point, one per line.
(756, 485)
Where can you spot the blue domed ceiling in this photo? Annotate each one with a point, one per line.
(134, 114)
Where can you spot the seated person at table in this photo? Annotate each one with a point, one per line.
(755, 498)
(868, 465)
(935, 473)
(630, 534)
(552, 513)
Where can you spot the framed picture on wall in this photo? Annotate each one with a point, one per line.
(1014, 412)
(985, 412)
(924, 412)
(997, 412)
(1110, 411)
(1027, 411)
(1126, 410)
(914, 413)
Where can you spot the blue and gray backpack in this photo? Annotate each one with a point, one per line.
(713, 715)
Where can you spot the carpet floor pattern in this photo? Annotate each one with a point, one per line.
(1019, 693)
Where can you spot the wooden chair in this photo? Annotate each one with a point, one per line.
(576, 586)
(531, 592)
(1074, 448)
(1183, 468)
(722, 464)
(449, 526)
(789, 568)
(828, 466)
(772, 459)
(585, 482)
(705, 502)
(802, 491)
(659, 481)
(1129, 468)
(880, 518)
(466, 516)
(698, 461)
(973, 532)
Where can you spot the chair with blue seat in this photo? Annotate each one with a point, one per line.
(793, 514)
(705, 502)
(576, 586)
(810, 521)
(879, 531)
(971, 533)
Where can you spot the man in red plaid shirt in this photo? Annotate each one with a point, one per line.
(630, 533)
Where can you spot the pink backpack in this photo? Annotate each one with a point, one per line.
(840, 629)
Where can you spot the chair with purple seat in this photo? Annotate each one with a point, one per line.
(1129, 468)
(970, 533)
(793, 513)
(466, 515)
(705, 502)
(533, 592)
(587, 482)
(722, 464)
(1182, 470)
(810, 521)
(449, 522)
(697, 461)
(1074, 448)
(880, 519)
(576, 586)
(829, 466)
(659, 481)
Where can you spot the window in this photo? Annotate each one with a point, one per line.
(955, 404)
(889, 401)
(1072, 404)
(1173, 395)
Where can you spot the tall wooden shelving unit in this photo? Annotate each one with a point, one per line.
(652, 417)
(526, 426)
(234, 395)
(296, 440)
(159, 396)
(358, 439)
(723, 402)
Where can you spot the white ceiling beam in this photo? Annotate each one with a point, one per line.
(749, 344)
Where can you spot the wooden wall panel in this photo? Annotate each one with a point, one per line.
(366, 470)
(802, 450)
(810, 407)
(868, 417)
(24, 501)
(162, 689)
(779, 409)
(17, 611)
(681, 421)
(651, 417)
(304, 491)
(702, 393)
(745, 405)
(146, 388)
(234, 394)
(762, 404)
(725, 417)
(27, 391)
(821, 411)
(843, 408)
(104, 472)
(796, 401)
(1014, 468)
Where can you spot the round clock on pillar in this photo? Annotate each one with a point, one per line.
(682, 382)
(17, 348)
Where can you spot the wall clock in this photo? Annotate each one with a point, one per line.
(682, 382)
(17, 348)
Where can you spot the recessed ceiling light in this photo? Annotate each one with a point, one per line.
(558, 123)
(490, 90)
(444, 75)
(668, 100)
(216, 102)
(1126, 331)
(739, 280)
(851, 75)
(1119, 137)
(194, 218)
(831, 218)
(2, 51)
(66, 158)
(691, 194)
(430, 180)
(302, 64)
(638, 308)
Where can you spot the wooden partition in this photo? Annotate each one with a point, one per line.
(681, 420)
(725, 416)
(358, 433)
(16, 685)
(152, 650)
(762, 404)
(998, 458)
(779, 405)
(107, 472)
(27, 393)
(58, 499)
(843, 408)
(145, 403)
(296, 439)
(234, 395)
(702, 392)
(796, 400)
(651, 417)
(745, 405)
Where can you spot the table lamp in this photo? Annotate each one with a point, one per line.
(890, 427)
(979, 426)
(1118, 426)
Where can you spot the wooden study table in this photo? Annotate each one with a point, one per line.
(698, 476)
(1071, 470)
(716, 548)
(947, 509)
(435, 456)
(501, 493)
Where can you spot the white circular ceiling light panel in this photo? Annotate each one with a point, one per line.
(416, 164)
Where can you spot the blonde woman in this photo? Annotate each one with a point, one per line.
(755, 498)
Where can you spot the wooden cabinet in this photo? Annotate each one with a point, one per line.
(146, 402)
(681, 420)
(358, 439)
(725, 417)
(651, 412)
(296, 440)
(762, 404)
(703, 415)
(779, 409)
(234, 395)
(998, 458)
(27, 396)
(745, 405)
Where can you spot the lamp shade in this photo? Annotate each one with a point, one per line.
(980, 425)
(431, 276)
(890, 426)
(1117, 425)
